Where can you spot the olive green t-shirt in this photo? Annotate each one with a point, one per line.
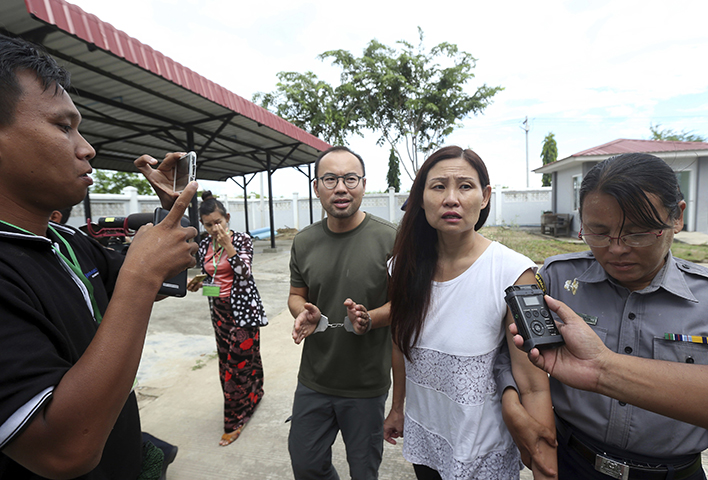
(334, 267)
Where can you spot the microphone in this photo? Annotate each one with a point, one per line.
(137, 220)
(131, 222)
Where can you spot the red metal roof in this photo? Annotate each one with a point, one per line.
(91, 29)
(623, 145)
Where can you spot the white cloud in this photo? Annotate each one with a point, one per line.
(590, 72)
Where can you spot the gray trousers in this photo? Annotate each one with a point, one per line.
(315, 422)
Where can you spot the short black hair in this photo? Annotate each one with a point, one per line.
(340, 148)
(18, 55)
(629, 178)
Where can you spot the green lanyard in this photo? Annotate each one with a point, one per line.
(73, 265)
(215, 261)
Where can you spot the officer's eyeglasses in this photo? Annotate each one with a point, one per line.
(330, 181)
(646, 239)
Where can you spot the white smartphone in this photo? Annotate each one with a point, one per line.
(185, 171)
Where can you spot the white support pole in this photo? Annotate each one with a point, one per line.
(498, 215)
(391, 205)
(296, 211)
(526, 129)
(132, 194)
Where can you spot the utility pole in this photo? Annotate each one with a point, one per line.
(526, 128)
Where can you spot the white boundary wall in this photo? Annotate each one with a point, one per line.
(521, 207)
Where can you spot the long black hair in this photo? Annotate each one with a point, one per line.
(415, 252)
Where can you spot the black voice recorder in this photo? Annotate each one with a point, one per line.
(532, 317)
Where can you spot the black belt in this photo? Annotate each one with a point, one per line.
(621, 470)
(613, 466)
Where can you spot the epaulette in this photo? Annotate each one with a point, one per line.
(690, 267)
(566, 257)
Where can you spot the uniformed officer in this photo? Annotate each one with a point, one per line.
(630, 385)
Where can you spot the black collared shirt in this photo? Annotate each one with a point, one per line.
(46, 324)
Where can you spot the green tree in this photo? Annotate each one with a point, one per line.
(394, 173)
(549, 154)
(106, 181)
(668, 134)
(313, 105)
(407, 95)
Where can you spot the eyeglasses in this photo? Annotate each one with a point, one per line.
(330, 181)
(631, 240)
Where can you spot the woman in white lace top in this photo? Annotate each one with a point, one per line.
(448, 319)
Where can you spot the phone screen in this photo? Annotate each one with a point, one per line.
(185, 171)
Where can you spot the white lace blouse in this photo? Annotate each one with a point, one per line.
(453, 420)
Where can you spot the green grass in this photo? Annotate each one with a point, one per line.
(692, 253)
(201, 364)
(538, 247)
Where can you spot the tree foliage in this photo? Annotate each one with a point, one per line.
(549, 154)
(668, 134)
(407, 95)
(105, 181)
(394, 173)
(313, 105)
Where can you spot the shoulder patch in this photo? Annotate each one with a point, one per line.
(541, 283)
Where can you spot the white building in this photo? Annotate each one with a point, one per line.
(688, 159)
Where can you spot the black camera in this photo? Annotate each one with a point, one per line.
(532, 317)
(112, 233)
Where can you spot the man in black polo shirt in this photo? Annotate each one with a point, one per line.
(73, 315)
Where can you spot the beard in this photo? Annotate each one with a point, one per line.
(335, 212)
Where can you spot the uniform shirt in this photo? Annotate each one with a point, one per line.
(46, 324)
(334, 267)
(632, 323)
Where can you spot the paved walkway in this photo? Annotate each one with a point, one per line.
(693, 238)
(180, 397)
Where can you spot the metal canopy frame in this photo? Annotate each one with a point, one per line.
(134, 100)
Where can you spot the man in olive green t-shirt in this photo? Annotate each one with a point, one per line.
(338, 272)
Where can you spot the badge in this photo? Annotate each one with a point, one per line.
(571, 286)
(589, 319)
(211, 290)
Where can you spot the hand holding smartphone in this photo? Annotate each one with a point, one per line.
(185, 171)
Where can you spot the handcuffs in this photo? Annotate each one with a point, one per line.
(347, 324)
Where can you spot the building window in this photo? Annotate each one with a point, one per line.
(577, 180)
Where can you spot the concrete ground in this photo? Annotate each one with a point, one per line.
(692, 238)
(180, 397)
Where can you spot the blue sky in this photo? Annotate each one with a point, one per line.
(588, 71)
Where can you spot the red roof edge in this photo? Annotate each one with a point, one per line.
(624, 145)
(73, 20)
